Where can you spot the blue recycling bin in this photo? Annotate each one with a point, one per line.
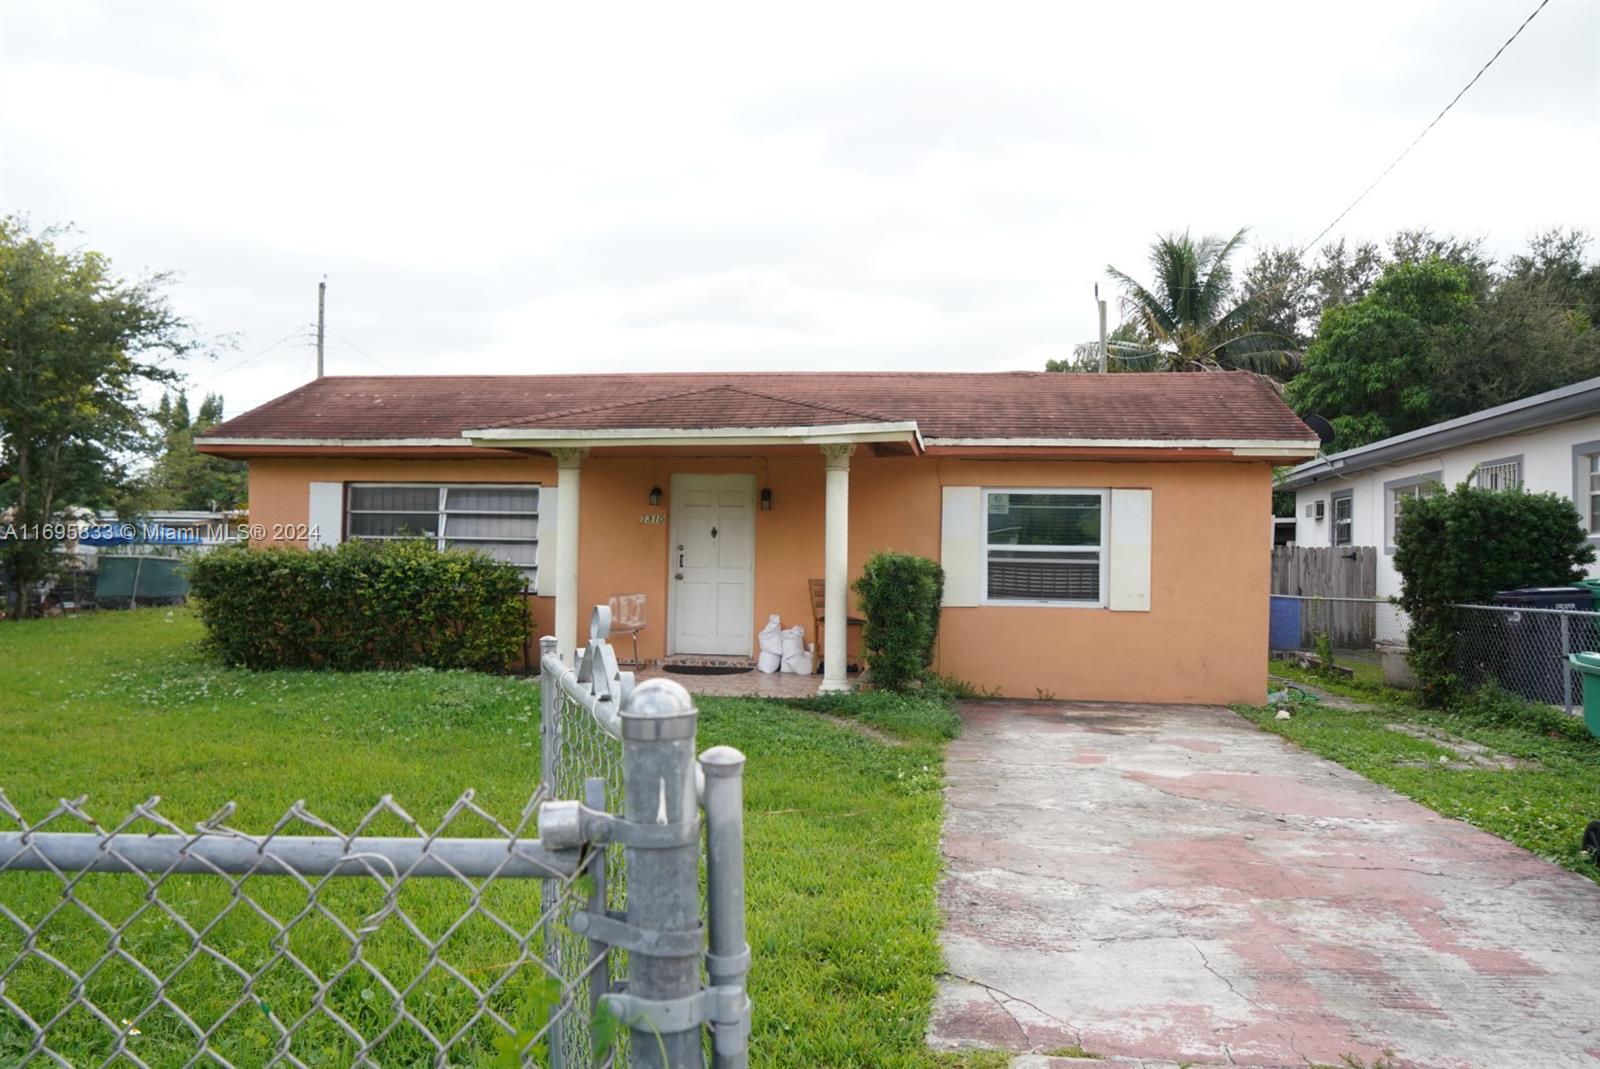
(1283, 624)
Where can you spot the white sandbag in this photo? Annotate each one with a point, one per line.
(771, 636)
(802, 663)
(768, 662)
(794, 645)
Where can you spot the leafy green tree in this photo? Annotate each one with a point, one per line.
(1190, 318)
(1461, 548)
(77, 344)
(1376, 366)
(1291, 292)
(182, 478)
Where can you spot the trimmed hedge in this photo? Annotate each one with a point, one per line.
(900, 596)
(1463, 547)
(364, 605)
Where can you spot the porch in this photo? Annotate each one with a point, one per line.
(717, 527)
(746, 684)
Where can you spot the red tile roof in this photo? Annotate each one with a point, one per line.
(1232, 406)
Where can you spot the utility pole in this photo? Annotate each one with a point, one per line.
(322, 297)
(1104, 353)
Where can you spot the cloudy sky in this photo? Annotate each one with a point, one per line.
(569, 187)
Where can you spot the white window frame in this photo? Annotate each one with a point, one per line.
(1585, 495)
(1409, 488)
(1104, 547)
(1487, 469)
(1333, 517)
(442, 537)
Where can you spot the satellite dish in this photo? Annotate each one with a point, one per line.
(1323, 428)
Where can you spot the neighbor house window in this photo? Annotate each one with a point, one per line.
(1500, 474)
(501, 521)
(1404, 491)
(1045, 546)
(1591, 506)
(1343, 528)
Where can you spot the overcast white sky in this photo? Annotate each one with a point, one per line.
(571, 187)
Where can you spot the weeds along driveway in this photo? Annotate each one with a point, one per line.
(1157, 882)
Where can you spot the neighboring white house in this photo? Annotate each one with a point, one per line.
(1550, 441)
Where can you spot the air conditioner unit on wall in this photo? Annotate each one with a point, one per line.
(1316, 510)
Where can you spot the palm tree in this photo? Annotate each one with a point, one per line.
(1191, 319)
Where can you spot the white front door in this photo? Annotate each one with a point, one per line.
(712, 563)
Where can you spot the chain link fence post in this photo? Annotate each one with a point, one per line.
(663, 1007)
(728, 955)
(549, 754)
(1566, 667)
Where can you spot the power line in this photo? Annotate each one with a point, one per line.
(346, 341)
(1340, 217)
(252, 356)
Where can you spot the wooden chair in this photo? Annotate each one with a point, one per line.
(627, 618)
(819, 597)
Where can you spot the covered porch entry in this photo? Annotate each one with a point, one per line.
(717, 526)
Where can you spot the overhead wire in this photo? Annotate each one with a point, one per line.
(1414, 142)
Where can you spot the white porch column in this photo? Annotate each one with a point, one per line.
(836, 543)
(566, 630)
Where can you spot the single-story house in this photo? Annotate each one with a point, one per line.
(1101, 535)
(1547, 442)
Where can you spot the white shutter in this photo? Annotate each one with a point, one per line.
(961, 545)
(325, 515)
(545, 576)
(1129, 569)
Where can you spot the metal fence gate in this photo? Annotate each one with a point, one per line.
(473, 941)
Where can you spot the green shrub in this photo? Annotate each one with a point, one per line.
(1461, 548)
(900, 596)
(361, 606)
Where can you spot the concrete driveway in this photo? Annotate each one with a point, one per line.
(1166, 884)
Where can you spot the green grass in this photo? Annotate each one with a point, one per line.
(1365, 685)
(1543, 808)
(841, 833)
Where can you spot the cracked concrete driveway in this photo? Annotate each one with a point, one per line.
(1171, 884)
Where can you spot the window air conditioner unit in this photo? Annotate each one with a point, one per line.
(1317, 510)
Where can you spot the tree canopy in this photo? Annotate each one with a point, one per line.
(182, 478)
(1378, 337)
(77, 346)
(1190, 317)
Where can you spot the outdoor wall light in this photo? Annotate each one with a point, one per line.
(655, 495)
(766, 500)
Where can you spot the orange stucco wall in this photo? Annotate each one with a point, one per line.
(1203, 640)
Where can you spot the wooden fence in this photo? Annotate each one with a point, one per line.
(1330, 572)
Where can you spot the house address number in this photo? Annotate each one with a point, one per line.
(653, 518)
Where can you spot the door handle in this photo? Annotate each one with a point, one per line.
(678, 575)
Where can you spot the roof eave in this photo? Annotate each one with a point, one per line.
(1542, 410)
(1278, 450)
(612, 437)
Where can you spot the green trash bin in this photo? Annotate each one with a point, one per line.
(1588, 666)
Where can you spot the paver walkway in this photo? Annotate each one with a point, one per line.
(1172, 884)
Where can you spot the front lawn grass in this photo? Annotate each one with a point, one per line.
(1544, 807)
(841, 835)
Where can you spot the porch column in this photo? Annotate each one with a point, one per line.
(567, 468)
(836, 543)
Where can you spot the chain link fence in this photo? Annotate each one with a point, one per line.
(1348, 624)
(470, 941)
(1522, 649)
(388, 942)
(582, 758)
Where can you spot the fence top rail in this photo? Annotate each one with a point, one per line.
(1594, 614)
(288, 855)
(1334, 597)
(596, 683)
